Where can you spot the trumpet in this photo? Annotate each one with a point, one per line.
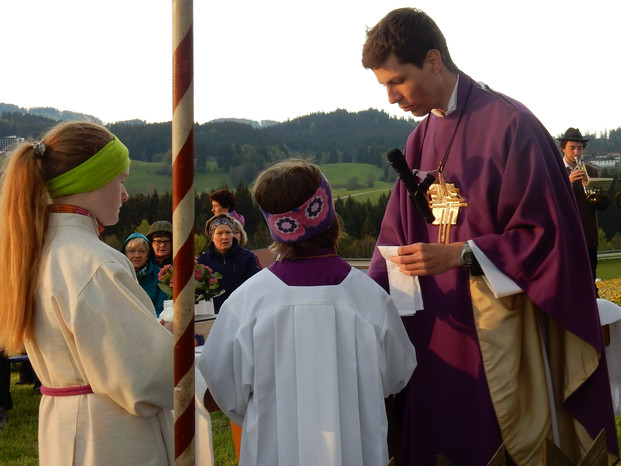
(581, 166)
(593, 196)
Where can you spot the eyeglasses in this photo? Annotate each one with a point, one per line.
(161, 242)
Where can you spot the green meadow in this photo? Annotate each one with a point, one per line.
(347, 179)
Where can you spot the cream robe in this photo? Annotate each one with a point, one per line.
(95, 325)
(305, 370)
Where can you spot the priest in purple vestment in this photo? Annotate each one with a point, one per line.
(506, 355)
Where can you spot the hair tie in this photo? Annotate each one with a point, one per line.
(39, 149)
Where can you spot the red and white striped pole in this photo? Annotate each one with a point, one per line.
(183, 228)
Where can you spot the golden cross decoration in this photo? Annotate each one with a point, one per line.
(445, 204)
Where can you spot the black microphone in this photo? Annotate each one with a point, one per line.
(416, 191)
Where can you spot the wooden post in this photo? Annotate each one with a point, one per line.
(183, 229)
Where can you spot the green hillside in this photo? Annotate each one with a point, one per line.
(356, 179)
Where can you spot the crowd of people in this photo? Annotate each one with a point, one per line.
(460, 339)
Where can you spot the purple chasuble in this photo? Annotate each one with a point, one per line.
(522, 214)
(323, 268)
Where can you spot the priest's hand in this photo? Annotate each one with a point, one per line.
(428, 259)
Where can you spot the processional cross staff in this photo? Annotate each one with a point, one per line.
(183, 230)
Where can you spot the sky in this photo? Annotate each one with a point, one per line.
(280, 59)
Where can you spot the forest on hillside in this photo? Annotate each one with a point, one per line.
(361, 221)
(240, 150)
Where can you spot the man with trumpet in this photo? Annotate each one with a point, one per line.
(572, 145)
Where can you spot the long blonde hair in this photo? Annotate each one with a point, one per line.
(23, 208)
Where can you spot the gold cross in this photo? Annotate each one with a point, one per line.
(445, 204)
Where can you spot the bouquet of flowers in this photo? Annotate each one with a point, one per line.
(206, 284)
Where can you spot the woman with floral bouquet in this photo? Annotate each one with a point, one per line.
(225, 256)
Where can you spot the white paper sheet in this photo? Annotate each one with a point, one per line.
(404, 290)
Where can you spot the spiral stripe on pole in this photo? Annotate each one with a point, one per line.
(183, 229)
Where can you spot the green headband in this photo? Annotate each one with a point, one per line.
(111, 160)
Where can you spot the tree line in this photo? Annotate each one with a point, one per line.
(361, 220)
(241, 149)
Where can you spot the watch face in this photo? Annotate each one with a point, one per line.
(468, 258)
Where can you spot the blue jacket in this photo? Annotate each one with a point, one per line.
(236, 266)
(148, 276)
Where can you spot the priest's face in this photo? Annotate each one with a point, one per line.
(416, 90)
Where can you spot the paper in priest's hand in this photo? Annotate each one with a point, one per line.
(404, 290)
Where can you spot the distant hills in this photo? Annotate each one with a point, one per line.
(48, 112)
(67, 115)
(239, 148)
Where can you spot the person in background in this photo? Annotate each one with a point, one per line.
(241, 236)
(572, 145)
(235, 263)
(502, 208)
(160, 235)
(321, 344)
(138, 250)
(223, 202)
(74, 304)
(239, 233)
(6, 402)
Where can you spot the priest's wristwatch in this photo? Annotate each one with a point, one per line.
(467, 257)
(468, 260)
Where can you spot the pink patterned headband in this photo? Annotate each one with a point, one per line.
(215, 222)
(302, 223)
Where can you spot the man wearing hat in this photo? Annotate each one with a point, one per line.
(160, 234)
(572, 146)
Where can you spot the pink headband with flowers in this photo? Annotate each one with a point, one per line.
(302, 223)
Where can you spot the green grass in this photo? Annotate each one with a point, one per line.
(144, 179)
(223, 447)
(18, 440)
(362, 195)
(608, 268)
